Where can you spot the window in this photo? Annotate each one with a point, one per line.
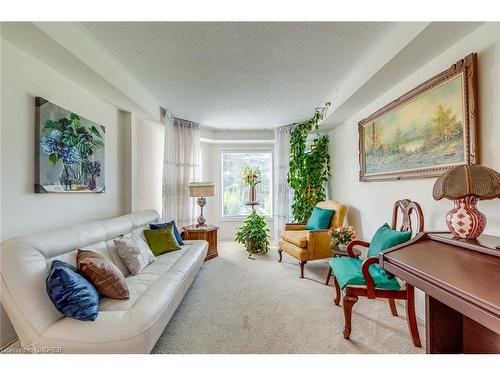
(235, 192)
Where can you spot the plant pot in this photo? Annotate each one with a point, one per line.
(252, 194)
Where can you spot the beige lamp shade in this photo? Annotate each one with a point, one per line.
(468, 180)
(201, 189)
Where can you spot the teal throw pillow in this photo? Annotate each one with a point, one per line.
(384, 238)
(320, 219)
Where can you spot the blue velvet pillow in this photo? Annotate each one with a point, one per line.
(71, 293)
(164, 225)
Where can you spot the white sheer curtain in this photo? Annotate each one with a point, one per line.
(169, 191)
(283, 192)
(181, 166)
(187, 149)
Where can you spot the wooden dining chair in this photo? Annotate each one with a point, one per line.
(371, 288)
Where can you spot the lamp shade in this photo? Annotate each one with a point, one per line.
(468, 180)
(201, 189)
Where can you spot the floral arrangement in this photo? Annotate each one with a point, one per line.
(74, 145)
(251, 177)
(342, 235)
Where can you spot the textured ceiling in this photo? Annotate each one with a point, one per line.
(238, 75)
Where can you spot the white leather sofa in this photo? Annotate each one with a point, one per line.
(122, 326)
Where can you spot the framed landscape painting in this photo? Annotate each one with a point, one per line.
(69, 151)
(425, 132)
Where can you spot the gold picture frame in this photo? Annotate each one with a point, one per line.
(426, 131)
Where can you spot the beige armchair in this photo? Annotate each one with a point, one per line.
(305, 245)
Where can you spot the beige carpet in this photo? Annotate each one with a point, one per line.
(237, 305)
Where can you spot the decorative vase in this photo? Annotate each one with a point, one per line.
(67, 177)
(342, 247)
(91, 181)
(465, 220)
(252, 194)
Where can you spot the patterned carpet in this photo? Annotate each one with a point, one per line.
(239, 305)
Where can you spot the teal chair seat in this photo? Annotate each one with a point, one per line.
(347, 271)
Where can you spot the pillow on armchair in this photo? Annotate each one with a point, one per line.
(320, 219)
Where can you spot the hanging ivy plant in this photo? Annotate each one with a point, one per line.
(309, 168)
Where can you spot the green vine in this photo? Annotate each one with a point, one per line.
(309, 169)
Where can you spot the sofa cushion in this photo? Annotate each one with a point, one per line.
(320, 219)
(154, 292)
(72, 294)
(384, 238)
(347, 271)
(162, 240)
(104, 275)
(296, 237)
(134, 252)
(300, 253)
(176, 230)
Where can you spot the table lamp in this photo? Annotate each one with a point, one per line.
(201, 190)
(465, 185)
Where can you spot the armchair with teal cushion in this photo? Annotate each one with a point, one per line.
(366, 278)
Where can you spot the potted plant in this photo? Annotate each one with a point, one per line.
(92, 170)
(68, 141)
(254, 234)
(251, 177)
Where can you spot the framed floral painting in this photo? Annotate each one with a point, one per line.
(69, 151)
(426, 131)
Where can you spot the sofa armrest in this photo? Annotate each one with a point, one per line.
(295, 226)
(318, 244)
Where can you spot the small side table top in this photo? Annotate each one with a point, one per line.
(205, 228)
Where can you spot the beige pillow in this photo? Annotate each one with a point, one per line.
(134, 252)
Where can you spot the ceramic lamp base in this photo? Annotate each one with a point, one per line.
(201, 220)
(465, 220)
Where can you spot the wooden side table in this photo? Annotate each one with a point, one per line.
(207, 233)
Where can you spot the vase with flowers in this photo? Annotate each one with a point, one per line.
(341, 236)
(251, 177)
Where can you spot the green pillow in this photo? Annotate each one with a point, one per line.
(320, 219)
(162, 240)
(384, 238)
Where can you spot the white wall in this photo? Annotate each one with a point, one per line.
(23, 211)
(371, 202)
(211, 171)
(22, 79)
(147, 164)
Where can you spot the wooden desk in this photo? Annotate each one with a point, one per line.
(461, 280)
(207, 233)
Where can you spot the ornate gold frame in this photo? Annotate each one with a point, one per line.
(467, 66)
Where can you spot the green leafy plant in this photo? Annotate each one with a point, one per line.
(309, 168)
(254, 234)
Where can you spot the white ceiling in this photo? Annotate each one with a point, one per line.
(239, 75)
